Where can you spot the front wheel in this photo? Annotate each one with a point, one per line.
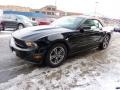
(2, 28)
(56, 55)
(105, 42)
(20, 26)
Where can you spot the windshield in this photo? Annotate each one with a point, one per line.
(68, 22)
(23, 18)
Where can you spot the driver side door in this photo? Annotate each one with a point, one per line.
(94, 33)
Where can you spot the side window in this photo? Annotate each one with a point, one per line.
(89, 23)
(9, 17)
(6, 17)
(93, 24)
(98, 24)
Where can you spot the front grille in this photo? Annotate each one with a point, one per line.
(20, 43)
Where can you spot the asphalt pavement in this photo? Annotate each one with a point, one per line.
(10, 65)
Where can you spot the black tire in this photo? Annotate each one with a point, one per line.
(20, 26)
(2, 28)
(105, 42)
(54, 60)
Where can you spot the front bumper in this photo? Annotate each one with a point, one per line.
(28, 54)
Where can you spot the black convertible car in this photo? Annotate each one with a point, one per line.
(65, 36)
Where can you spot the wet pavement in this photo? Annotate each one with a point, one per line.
(94, 70)
(10, 65)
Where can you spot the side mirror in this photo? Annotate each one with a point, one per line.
(93, 27)
(16, 19)
(83, 28)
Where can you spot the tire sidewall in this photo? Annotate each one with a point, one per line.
(19, 26)
(102, 45)
(47, 59)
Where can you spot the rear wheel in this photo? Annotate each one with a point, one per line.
(56, 55)
(105, 42)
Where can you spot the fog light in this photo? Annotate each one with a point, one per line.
(37, 57)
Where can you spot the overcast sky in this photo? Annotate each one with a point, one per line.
(104, 7)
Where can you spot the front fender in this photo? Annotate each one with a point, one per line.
(58, 38)
(48, 41)
(55, 37)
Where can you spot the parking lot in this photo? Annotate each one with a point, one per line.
(90, 70)
(10, 65)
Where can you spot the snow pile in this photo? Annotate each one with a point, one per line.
(96, 70)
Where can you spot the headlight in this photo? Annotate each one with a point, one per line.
(31, 44)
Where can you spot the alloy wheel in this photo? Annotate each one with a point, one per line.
(57, 55)
(106, 42)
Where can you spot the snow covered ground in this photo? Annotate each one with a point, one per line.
(94, 70)
(5, 34)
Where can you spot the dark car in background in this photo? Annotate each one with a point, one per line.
(15, 22)
(54, 42)
(117, 28)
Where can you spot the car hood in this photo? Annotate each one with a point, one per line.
(37, 32)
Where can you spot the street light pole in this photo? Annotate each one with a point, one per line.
(96, 4)
(56, 4)
(55, 7)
